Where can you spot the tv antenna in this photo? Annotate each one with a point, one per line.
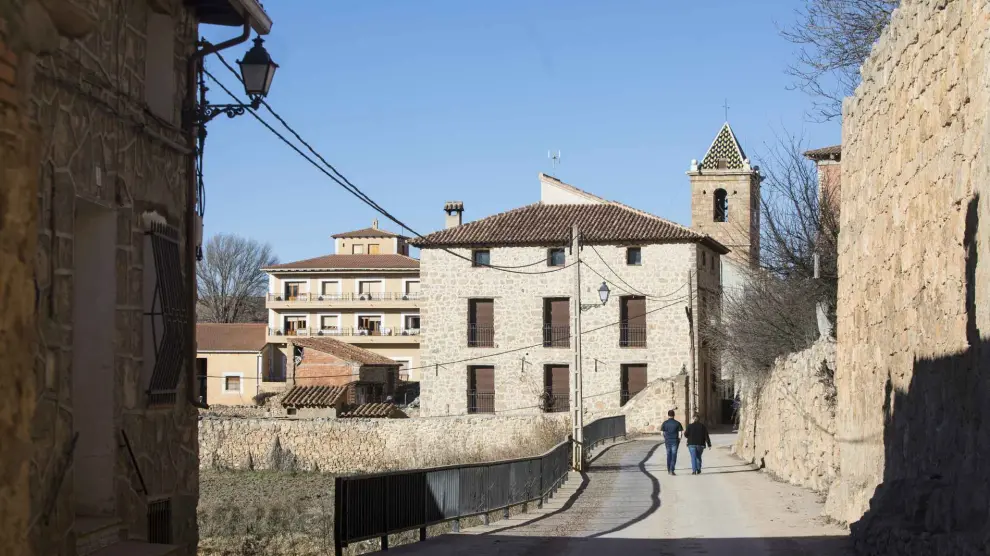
(554, 158)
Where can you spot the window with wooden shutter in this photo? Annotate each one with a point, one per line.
(633, 381)
(557, 322)
(632, 328)
(556, 388)
(481, 389)
(481, 323)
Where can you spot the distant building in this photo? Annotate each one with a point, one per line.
(500, 341)
(367, 293)
(233, 363)
(829, 162)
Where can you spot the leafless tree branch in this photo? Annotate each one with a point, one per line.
(230, 278)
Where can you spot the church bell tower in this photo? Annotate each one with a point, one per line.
(725, 198)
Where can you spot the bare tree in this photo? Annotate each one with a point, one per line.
(835, 37)
(230, 278)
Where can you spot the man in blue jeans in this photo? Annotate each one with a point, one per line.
(671, 429)
(697, 438)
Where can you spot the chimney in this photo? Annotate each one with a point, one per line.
(454, 210)
(374, 223)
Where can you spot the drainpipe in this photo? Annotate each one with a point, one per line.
(192, 67)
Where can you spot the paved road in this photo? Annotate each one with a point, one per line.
(627, 504)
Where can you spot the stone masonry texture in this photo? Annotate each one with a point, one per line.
(913, 422)
(788, 424)
(518, 319)
(74, 130)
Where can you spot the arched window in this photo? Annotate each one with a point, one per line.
(721, 206)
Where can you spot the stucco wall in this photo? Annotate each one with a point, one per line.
(789, 423)
(369, 445)
(518, 319)
(219, 365)
(913, 310)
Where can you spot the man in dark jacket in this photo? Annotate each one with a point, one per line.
(671, 429)
(697, 439)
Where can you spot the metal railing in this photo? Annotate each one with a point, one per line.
(624, 396)
(555, 403)
(556, 336)
(345, 331)
(606, 428)
(353, 296)
(381, 504)
(632, 336)
(480, 402)
(480, 336)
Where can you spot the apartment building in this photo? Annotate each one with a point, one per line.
(367, 293)
(511, 328)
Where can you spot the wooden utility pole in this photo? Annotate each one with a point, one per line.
(577, 376)
(695, 398)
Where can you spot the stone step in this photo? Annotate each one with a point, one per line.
(138, 548)
(94, 533)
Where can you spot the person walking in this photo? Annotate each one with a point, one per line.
(697, 438)
(672, 430)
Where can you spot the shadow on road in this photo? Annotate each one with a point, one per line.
(654, 496)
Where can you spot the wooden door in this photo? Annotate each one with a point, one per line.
(292, 291)
(633, 379)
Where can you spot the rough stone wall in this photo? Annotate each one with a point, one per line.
(913, 423)
(518, 315)
(79, 75)
(646, 411)
(789, 422)
(370, 445)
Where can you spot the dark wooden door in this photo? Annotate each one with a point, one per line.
(633, 380)
(632, 331)
(481, 323)
(557, 322)
(557, 387)
(481, 389)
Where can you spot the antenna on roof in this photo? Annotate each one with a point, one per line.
(554, 158)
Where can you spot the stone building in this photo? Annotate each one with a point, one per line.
(828, 160)
(97, 422)
(366, 293)
(912, 421)
(501, 294)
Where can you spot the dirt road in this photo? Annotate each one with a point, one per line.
(627, 504)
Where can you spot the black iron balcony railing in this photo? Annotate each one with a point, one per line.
(624, 396)
(480, 336)
(632, 336)
(480, 402)
(344, 331)
(329, 297)
(556, 336)
(555, 403)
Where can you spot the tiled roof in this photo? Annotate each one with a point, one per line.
(350, 262)
(544, 224)
(345, 351)
(367, 232)
(313, 396)
(724, 147)
(371, 410)
(833, 152)
(230, 337)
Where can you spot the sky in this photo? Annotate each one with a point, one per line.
(421, 102)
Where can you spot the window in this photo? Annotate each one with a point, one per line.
(481, 257)
(481, 390)
(369, 325)
(555, 257)
(329, 289)
(201, 374)
(292, 290)
(411, 289)
(721, 206)
(704, 259)
(557, 322)
(295, 326)
(410, 322)
(556, 388)
(481, 323)
(370, 290)
(634, 256)
(633, 381)
(232, 384)
(374, 249)
(329, 322)
(632, 325)
(357, 249)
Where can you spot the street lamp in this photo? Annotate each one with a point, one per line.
(603, 293)
(257, 71)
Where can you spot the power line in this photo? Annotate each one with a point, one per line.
(634, 290)
(343, 181)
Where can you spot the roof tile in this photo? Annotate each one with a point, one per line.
(350, 262)
(345, 351)
(371, 410)
(834, 151)
(367, 232)
(231, 336)
(313, 396)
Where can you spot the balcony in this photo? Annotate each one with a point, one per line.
(371, 299)
(632, 336)
(555, 403)
(480, 402)
(349, 335)
(480, 336)
(556, 336)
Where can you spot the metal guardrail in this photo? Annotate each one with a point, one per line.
(382, 504)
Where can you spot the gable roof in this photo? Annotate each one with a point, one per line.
(345, 351)
(247, 337)
(350, 262)
(833, 152)
(367, 232)
(725, 146)
(313, 396)
(544, 224)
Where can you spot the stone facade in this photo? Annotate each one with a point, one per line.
(788, 424)
(913, 313)
(371, 445)
(648, 410)
(665, 272)
(81, 159)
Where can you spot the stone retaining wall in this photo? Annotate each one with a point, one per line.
(789, 423)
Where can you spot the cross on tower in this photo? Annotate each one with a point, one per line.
(726, 107)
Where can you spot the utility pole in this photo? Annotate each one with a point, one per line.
(695, 398)
(577, 392)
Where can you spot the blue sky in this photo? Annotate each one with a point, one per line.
(422, 102)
